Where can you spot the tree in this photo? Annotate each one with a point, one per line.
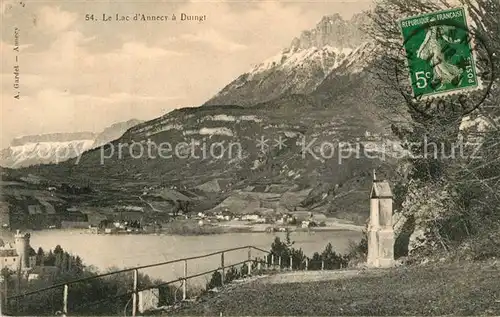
(104, 223)
(58, 259)
(50, 259)
(286, 251)
(232, 274)
(58, 249)
(78, 264)
(331, 259)
(90, 297)
(40, 256)
(181, 206)
(215, 281)
(461, 195)
(315, 262)
(6, 274)
(65, 261)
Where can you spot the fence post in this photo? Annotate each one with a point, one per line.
(65, 300)
(3, 296)
(223, 275)
(307, 264)
(279, 262)
(322, 265)
(184, 282)
(291, 263)
(249, 263)
(134, 295)
(249, 266)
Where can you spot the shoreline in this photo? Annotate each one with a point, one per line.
(218, 229)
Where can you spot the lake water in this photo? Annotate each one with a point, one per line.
(122, 251)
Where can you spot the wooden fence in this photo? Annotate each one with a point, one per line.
(270, 261)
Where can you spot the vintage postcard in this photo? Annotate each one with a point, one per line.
(249, 158)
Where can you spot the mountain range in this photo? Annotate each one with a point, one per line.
(316, 103)
(57, 147)
(299, 68)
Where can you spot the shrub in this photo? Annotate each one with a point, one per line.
(215, 281)
(287, 252)
(357, 252)
(332, 259)
(232, 274)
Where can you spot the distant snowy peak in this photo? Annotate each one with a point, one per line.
(52, 137)
(58, 147)
(32, 153)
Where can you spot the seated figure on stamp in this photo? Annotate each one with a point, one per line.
(431, 50)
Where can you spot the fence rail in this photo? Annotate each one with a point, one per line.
(269, 262)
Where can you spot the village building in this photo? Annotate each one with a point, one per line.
(224, 215)
(251, 217)
(308, 224)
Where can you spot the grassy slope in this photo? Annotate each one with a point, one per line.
(438, 290)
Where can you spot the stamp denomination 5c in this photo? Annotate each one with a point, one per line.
(439, 53)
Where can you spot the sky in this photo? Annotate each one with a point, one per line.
(82, 74)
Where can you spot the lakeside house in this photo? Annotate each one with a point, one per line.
(219, 215)
(286, 219)
(224, 215)
(308, 224)
(43, 272)
(251, 217)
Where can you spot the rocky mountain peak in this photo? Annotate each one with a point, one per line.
(331, 30)
(304, 65)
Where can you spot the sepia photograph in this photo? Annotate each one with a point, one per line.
(250, 158)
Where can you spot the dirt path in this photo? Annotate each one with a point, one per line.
(426, 290)
(316, 276)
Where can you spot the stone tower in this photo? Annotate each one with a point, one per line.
(22, 242)
(380, 229)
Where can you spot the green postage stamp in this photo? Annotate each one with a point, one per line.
(439, 53)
